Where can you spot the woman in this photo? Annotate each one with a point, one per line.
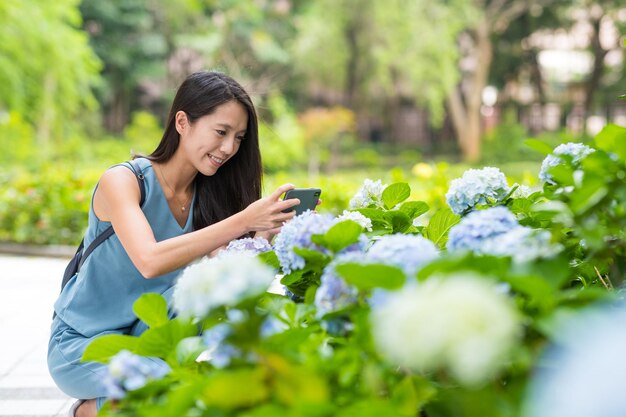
(202, 189)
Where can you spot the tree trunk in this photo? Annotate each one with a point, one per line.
(117, 116)
(46, 119)
(597, 71)
(464, 104)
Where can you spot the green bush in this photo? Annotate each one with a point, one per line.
(46, 207)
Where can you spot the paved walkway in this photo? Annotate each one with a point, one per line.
(28, 288)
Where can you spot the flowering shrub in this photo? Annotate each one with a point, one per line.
(446, 316)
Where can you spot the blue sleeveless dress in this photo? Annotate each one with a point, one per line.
(99, 299)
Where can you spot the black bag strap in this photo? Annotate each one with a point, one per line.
(136, 169)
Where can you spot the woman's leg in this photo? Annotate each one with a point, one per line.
(82, 380)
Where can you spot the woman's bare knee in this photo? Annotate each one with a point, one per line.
(87, 409)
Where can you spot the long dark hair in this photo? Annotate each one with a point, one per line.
(238, 182)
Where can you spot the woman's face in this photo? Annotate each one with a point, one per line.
(213, 139)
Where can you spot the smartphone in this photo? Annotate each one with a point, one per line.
(308, 199)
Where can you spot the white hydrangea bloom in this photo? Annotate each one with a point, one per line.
(224, 280)
(577, 151)
(462, 324)
(522, 191)
(357, 217)
(476, 186)
(370, 193)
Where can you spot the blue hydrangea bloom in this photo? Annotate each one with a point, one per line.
(577, 151)
(128, 372)
(271, 326)
(523, 244)
(476, 186)
(586, 371)
(478, 226)
(334, 293)
(249, 245)
(407, 252)
(218, 352)
(297, 234)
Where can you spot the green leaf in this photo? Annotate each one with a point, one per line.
(341, 235)
(398, 220)
(104, 347)
(411, 394)
(482, 264)
(292, 277)
(395, 194)
(588, 196)
(539, 146)
(188, 349)
(224, 388)
(151, 308)
(162, 341)
(612, 138)
(414, 209)
(313, 258)
(372, 213)
(269, 258)
(439, 226)
(538, 290)
(366, 277)
(372, 407)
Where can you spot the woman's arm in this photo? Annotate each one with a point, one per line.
(117, 200)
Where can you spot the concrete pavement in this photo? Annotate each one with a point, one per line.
(28, 288)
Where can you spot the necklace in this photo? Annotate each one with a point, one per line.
(182, 206)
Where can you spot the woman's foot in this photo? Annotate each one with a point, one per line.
(86, 409)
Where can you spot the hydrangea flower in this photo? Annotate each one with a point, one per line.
(357, 217)
(522, 191)
(577, 151)
(585, 375)
(475, 228)
(271, 326)
(407, 252)
(248, 245)
(523, 244)
(218, 352)
(221, 281)
(297, 234)
(459, 323)
(334, 293)
(476, 186)
(128, 372)
(370, 193)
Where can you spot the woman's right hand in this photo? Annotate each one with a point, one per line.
(267, 214)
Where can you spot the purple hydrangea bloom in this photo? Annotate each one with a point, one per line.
(476, 186)
(249, 245)
(128, 372)
(407, 252)
(577, 151)
(297, 234)
(477, 227)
